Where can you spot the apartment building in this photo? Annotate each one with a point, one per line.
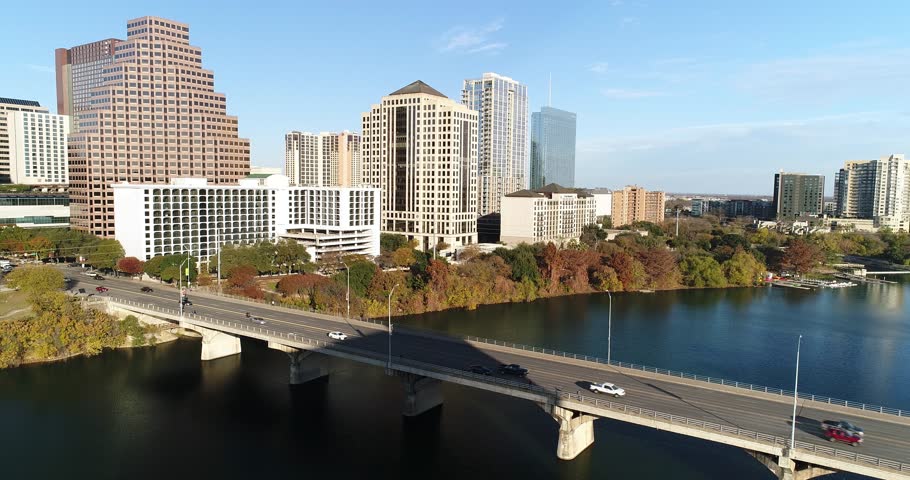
(875, 189)
(635, 204)
(549, 214)
(146, 111)
(798, 195)
(326, 159)
(32, 144)
(420, 149)
(191, 215)
(502, 131)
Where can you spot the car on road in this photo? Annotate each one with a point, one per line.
(186, 301)
(259, 320)
(146, 289)
(101, 289)
(98, 277)
(513, 369)
(337, 336)
(841, 435)
(480, 370)
(843, 425)
(607, 388)
(67, 279)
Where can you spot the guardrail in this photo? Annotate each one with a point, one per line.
(555, 394)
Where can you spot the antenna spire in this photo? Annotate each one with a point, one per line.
(550, 92)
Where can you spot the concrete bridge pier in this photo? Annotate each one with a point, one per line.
(215, 344)
(306, 365)
(784, 468)
(420, 394)
(576, 431)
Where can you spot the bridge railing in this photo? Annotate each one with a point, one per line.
(556, 394)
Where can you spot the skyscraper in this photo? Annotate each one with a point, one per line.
(503, 151)
(32, 144)
(324, 159)
(552, 147)
(875, 189)
(798, 195)
(420, 148)
(149, 114)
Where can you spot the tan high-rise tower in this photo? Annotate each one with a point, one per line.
(151, 114)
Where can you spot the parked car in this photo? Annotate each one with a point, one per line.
(101, 289)
(480, 370)
(146, 289)
(607, 388)
(67, 279)
(259, 320)
(513, 369)
(843, 425)
(337, 336)
(846, 436)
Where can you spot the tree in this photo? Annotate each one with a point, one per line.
(40, 246)
(522, 261)
(104, 254)
(702, 271)
(35, 280)
(630, 272)
(291, 255)
(661, 268)
(801, 256)
(743, 269)
(403, 257)
(130, 265)
(592, 234)
(242, 276)
(389, 242)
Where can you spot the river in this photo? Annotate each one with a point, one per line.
(161, 413)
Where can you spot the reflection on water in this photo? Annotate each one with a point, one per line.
(161, 413)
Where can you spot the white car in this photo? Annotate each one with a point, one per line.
(258, 320)
(607, 388)
(337, 336)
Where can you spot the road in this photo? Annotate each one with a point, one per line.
(886, 437)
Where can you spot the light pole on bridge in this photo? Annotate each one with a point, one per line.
(390, 326)
(795, 395)
(609, 326)
(347, 295)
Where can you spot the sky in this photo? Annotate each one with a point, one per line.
(682, 96)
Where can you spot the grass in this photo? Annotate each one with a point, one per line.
(11, 302)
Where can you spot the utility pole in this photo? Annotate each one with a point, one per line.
(218, 246)
(677, 221)
(795, 397)
(390, 328)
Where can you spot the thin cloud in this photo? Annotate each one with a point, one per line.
(598, 67)
(472, 39)
(40, 68)
(627, 94)
(628, 21)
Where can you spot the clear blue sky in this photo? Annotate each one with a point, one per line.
(681, 96)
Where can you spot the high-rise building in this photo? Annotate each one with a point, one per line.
(798, 195)
(875, 189)
(153, 115)
(326, 159)
(502, 137)
(635, 204)
(32, 144)
(552, 147)
(420, 148)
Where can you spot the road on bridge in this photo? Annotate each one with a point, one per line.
(887, 437)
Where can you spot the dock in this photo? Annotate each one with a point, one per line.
(858, 278)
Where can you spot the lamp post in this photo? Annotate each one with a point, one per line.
(179, 283)
(795, 396)
(347, 295)
(390, 326)
(609, 326)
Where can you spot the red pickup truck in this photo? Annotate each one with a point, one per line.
(843, 436)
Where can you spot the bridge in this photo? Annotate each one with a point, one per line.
(754, 418)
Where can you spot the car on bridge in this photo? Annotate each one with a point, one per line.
(513, 369)
(186, 301)
(607, 388)
(101, 289)
(337, 336)
(841, 435)
(480, 370)
(843, 425)
(146, 289)
(259, 320)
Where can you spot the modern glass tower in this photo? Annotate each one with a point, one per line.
(552, 147)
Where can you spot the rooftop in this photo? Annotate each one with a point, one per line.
(418, 87)
(16, 101)
(549, 190)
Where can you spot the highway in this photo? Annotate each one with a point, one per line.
(887, 436)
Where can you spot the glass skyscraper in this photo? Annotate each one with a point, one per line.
(552, 147)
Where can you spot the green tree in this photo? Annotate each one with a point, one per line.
(702, 271)
(592, 234)
(522, 261)
(743, 269)
(105, 254)
(35, 280)
(291, 256)
(389, 242)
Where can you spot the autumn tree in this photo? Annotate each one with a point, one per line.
(630, 272)
(130, 265)
(743, 269)
(35, 280)
(801, 256)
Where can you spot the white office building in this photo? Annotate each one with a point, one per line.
(420, 149)
(604, 200)
(875, 189)
(503, 148)
(549, 214)
(32, 144)
(189, 215)
(325, 159)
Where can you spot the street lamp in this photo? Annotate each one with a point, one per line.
(347, 296)
(609, 326)
(390, 326)
(795, 396)
(180, 285)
